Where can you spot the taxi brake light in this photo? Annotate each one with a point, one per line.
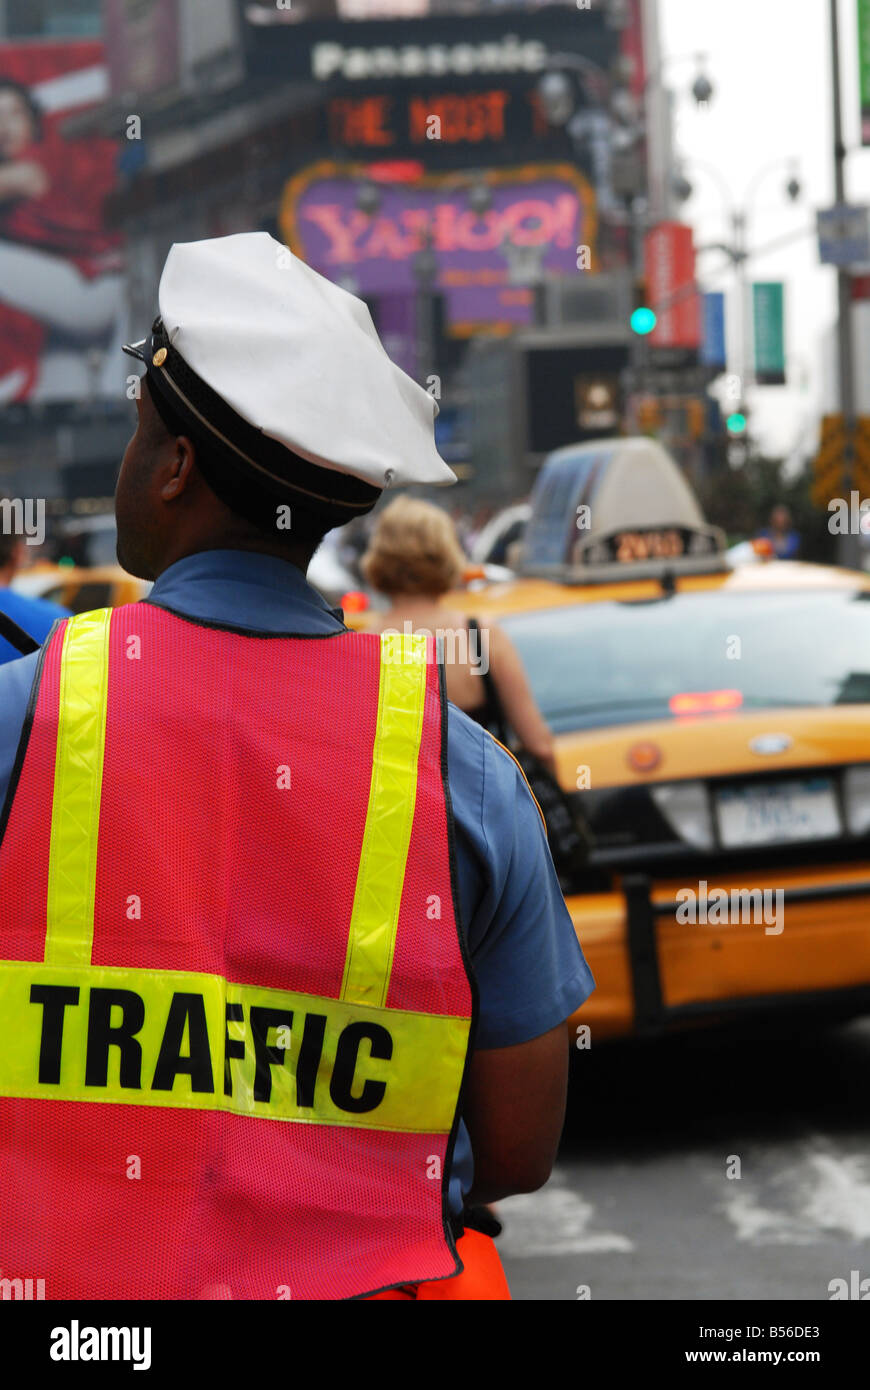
(354, 601)
(644, 756)
(705, 701)
(472, 572)
(763, 548)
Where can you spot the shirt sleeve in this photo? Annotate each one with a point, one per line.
(530, 968)
(16, 679)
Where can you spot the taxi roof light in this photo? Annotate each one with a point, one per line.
(617, 509)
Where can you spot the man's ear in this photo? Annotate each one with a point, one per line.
(180, 471)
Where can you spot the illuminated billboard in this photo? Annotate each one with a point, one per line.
(485, 241)
(492, 43)
(62, 304)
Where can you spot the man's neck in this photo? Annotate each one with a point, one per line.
(299, 557)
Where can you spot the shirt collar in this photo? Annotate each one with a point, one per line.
(244, 579)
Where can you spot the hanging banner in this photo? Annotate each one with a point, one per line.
(713, 342)
(670, 276)
(864, 67)
(769, 332)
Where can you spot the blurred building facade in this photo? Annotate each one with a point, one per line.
(484, 175)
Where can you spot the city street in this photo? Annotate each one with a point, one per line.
(639, 1205)
(434, 586)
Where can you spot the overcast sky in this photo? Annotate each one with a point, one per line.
(769, 62)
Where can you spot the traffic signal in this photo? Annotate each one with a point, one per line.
(643, 318)
(736, 423)
(649, 415)
(696, 419)
(828, 463)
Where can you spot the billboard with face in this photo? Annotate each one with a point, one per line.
(142, 43)
(62, 315)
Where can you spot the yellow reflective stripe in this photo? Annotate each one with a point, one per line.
(392, 798)
(78, 775)
(171, 1028)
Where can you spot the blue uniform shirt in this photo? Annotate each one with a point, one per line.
(35, 615)
(530, 970)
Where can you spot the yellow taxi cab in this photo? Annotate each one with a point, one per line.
(712, 740)
(81, 589)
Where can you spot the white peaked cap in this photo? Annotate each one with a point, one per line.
(298, 358)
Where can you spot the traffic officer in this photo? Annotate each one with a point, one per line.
(284, 962)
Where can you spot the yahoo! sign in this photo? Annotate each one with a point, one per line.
(548, 210)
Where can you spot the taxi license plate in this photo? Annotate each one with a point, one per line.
(777, 812)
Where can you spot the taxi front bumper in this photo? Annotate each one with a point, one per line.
(656, 971)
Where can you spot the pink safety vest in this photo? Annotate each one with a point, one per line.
(236, 1004)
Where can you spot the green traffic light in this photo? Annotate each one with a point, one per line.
(643, 320)
(736, 423)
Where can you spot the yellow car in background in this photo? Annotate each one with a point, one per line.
(79, 589)
(712, 732)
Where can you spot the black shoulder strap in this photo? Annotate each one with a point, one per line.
(496, 720)
(16, 636)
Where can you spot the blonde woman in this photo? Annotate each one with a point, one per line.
(414, 559)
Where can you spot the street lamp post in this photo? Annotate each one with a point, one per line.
(657, 115)
(425, 267)
(425, 264)
(738, 251)
(849, 544)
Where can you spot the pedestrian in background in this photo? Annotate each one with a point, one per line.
(786, 541)
(414, 559)
(35, 615)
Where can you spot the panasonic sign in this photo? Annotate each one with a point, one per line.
(508, 54)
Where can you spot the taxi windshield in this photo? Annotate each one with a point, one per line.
(596, 664)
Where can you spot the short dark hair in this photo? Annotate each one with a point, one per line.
(307, 528)
(8, 84)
